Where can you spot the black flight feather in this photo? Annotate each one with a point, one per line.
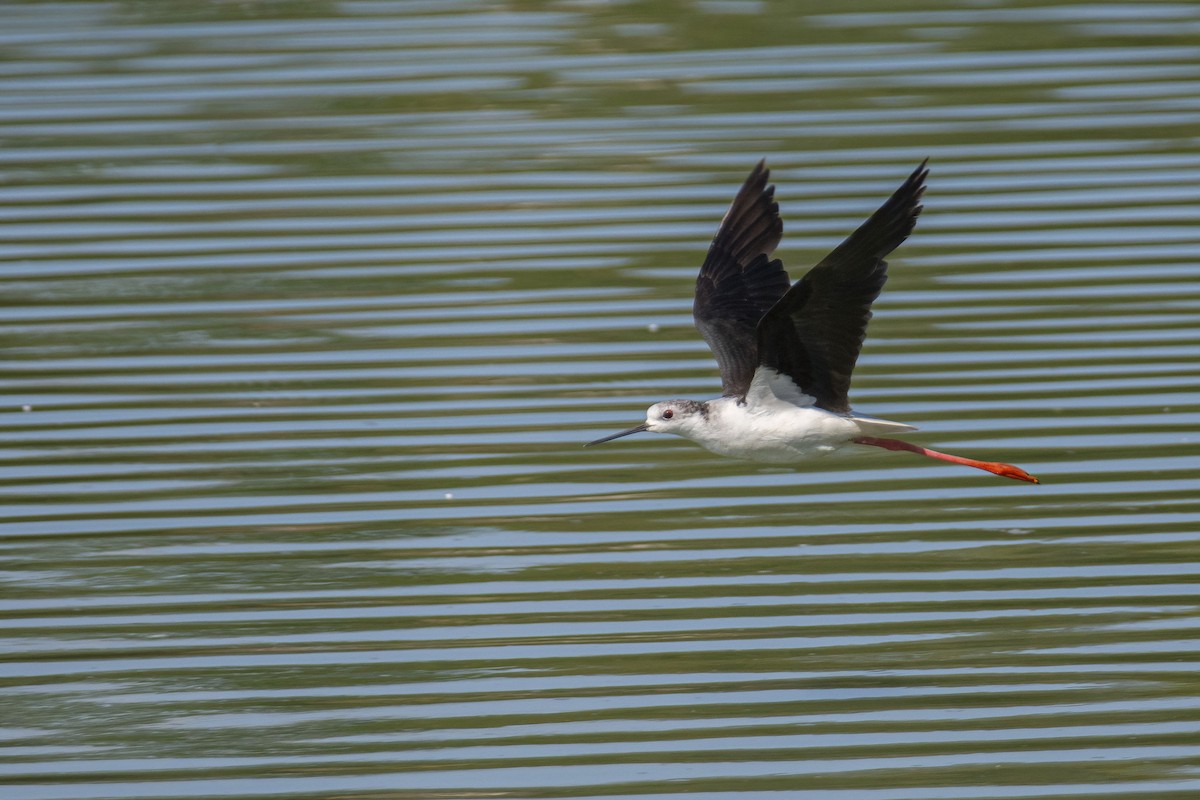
(815, 332)
(739, 282)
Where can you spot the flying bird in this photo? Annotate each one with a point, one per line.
(786, 351)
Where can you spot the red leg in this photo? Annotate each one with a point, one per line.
(994, 467)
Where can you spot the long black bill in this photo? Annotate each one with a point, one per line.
(638, 429)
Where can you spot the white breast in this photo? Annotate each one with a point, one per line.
(777, 423)
(775, 432)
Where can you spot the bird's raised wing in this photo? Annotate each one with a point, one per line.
(814, 333)
(739, 282)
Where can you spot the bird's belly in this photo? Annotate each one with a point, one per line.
(783, 437)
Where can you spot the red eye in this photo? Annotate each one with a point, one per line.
(668, 414)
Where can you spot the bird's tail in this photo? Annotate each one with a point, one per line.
(871, 426)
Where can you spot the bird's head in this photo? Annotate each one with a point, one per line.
(680, 417)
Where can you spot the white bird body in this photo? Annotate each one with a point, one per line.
(784, 435)
(765, 426)
(786, 351)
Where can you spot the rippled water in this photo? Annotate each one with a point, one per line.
(307, 309)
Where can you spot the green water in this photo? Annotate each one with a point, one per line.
(307, 309)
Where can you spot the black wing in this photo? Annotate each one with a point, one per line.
(815, 332)
(739, 282)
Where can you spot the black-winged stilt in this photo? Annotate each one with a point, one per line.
(786, 352)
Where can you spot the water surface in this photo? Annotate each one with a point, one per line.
(309, 307)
